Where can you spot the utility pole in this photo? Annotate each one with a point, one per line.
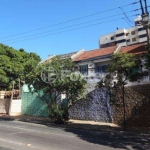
(146, 21)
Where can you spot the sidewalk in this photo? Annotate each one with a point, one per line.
(77, 124)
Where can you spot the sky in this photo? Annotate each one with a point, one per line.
(51, 27)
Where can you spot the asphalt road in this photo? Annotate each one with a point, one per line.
(15, 135)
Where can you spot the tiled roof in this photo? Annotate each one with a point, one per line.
(96, 53)
(134, 49)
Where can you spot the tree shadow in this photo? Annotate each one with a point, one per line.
(114, 137)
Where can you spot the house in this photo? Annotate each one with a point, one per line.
(72, 56)
(94, 63)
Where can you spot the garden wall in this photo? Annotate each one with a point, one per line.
(137, 107)
(95, 107)
(33, 105)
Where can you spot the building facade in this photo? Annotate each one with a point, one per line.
(94, 63)
(125, 37)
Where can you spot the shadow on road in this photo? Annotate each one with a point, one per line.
(112, 137)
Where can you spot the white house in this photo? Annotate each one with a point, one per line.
(93, 64)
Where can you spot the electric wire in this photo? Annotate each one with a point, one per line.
(126, 16)
(69, 26)
(68, 30)
(79, 18)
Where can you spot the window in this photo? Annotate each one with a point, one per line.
(133, 39)
(121, 41)
(133, 32)
(102, 68)
(121, 34)
(112, 38)
(140, 29)
(128, 40)
(127, 34)
(142, 36)
(84, 69)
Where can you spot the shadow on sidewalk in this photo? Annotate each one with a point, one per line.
(98, 134)
(112, 137)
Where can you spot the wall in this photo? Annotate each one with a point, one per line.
(4, 105)
(136, 106)
(15, 108)
(95, 107)
(33, 105)
(141, 89)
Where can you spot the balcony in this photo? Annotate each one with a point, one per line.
(142, 32)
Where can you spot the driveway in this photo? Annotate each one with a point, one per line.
(23, 136)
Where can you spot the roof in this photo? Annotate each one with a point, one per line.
(134, 49)
(96, 53)
(68, 55)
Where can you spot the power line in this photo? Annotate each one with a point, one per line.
(71, 20)
(69, 30)
(71, 25)
(130, 21)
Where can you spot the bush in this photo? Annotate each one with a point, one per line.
(58, 114)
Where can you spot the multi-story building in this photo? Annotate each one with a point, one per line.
(125, 37)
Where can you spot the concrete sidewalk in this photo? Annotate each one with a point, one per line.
(78, 124)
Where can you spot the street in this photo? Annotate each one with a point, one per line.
(15, 135)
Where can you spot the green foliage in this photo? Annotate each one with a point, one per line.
(126, 65)
(65, 82)
(58, 113)
(15, 65)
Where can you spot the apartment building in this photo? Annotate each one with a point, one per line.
(125, 37)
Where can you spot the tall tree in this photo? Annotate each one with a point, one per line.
(15, 65)
(54, 79)
(127, 68)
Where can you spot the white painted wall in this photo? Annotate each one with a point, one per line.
(15, 107)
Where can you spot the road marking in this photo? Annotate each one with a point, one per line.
(30, 130)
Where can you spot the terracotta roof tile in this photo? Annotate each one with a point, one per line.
(134, 49)
(96, 53)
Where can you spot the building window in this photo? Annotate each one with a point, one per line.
(133, 32)
(142, 36)
(84, 69)
(121, 34)
(133, 39)
(140, 29)
(102, 68)
(127, 34)
(128, 40)
(112, 38)
(121, 41)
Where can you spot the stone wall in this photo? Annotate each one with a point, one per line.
(95, 107)
(137, 107)
(141, 89)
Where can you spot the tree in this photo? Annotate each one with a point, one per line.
(54, 79)
(15, 65)
(127, 67)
